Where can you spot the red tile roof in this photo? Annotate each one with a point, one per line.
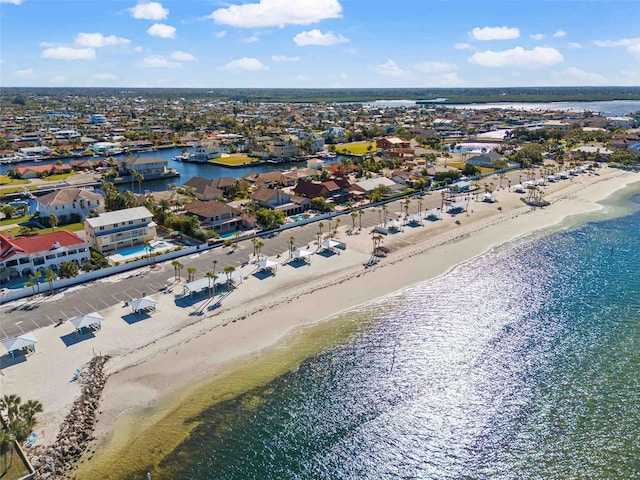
(36, 243)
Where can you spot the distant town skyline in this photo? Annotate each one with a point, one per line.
(319, 43)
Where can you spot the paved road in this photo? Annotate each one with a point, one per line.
(22, 316)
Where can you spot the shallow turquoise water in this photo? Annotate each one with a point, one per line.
(521, 364)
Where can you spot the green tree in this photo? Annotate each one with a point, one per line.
(191, 271)
(50, 277)
(228, 272)
(68, 269)
(270, 219)
(9, 211)
(212, 282)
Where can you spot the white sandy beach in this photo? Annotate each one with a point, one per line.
(161, 355)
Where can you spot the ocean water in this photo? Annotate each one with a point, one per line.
(521, 364)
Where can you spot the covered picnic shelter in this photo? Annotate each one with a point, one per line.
(266, 264)
(302, 254)
(91, 321)
(25, 342)
(143, 304)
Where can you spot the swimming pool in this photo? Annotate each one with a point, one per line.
(139, 251)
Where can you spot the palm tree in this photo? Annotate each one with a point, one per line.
(254, 241)
(335, 227)
(53, 221)
(212, 281)
(50, 276)
(177, 268)
(291, 244)
(236, 239)
(360, 215)
(353, 216)
(385, 212)
(215, 262)
(191, 271)
(228, 271)
(319, 234)
(259, 245)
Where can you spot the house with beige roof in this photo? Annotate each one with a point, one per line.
(216, 215)
(70, 201)
(113, 231)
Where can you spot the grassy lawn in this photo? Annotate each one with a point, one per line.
(6, 180)
(234, 160)
(8, 190)
(17, 469)
(9, 221)
(356, 148)
(58, 176)
(460, 166)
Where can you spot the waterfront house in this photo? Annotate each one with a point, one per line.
(312, 190)
(23, 256)
(35, 171)
(486, 160)
(392, 142)
(70, 201)
(216, 215)
(210, 189)
(268, 179)
(112, 231)
(276, 199)
(148, 167)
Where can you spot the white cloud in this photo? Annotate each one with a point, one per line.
(462, 46)
(390, 68)
(632, 44)
(574, 45)
(251, 39)
(161, 30)
(104, 76)
(58, 79)
(434, 67)
(149, 11)
(68, 53)
(537, 36)
(495, 33)
(14, 2)
(277, 13)
(28, 74)
(517, 57)
(183, 57)
(576, 76)
(560, 34)
(245, 63)
(159, 61)
(623, 42)
(284, 58)
(220, 34)
(98, 40)
(316, 37)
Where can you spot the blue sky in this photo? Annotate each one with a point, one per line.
(319, 43)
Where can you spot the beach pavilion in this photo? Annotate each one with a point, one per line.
(267, 264)
(414, 219)
(25, 342)
(329, 244)
(143, 304)
(457, 207)
(302, 254)
(91, 321)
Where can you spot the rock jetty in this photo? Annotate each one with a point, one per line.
(56, 461)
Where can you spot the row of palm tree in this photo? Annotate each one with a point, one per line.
(212, 275)
(19, 420)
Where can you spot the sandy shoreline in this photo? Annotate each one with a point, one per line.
(187, 348)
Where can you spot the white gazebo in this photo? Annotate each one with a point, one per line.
(393, 224)
(143, 304)
(26, 342)
(433, 214)
(302, 254)
(267, 264)
(90, 320)
(329, 244)
(414, 219)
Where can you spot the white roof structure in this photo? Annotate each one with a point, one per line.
(329, 244)
(433, 213)
(371, 183)
(414, 218)
(88, 320)
(457, 206)
(119, 216)
(26, 340)
(143, 303)
(200, 284)
(267, 263)
(393, 224)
